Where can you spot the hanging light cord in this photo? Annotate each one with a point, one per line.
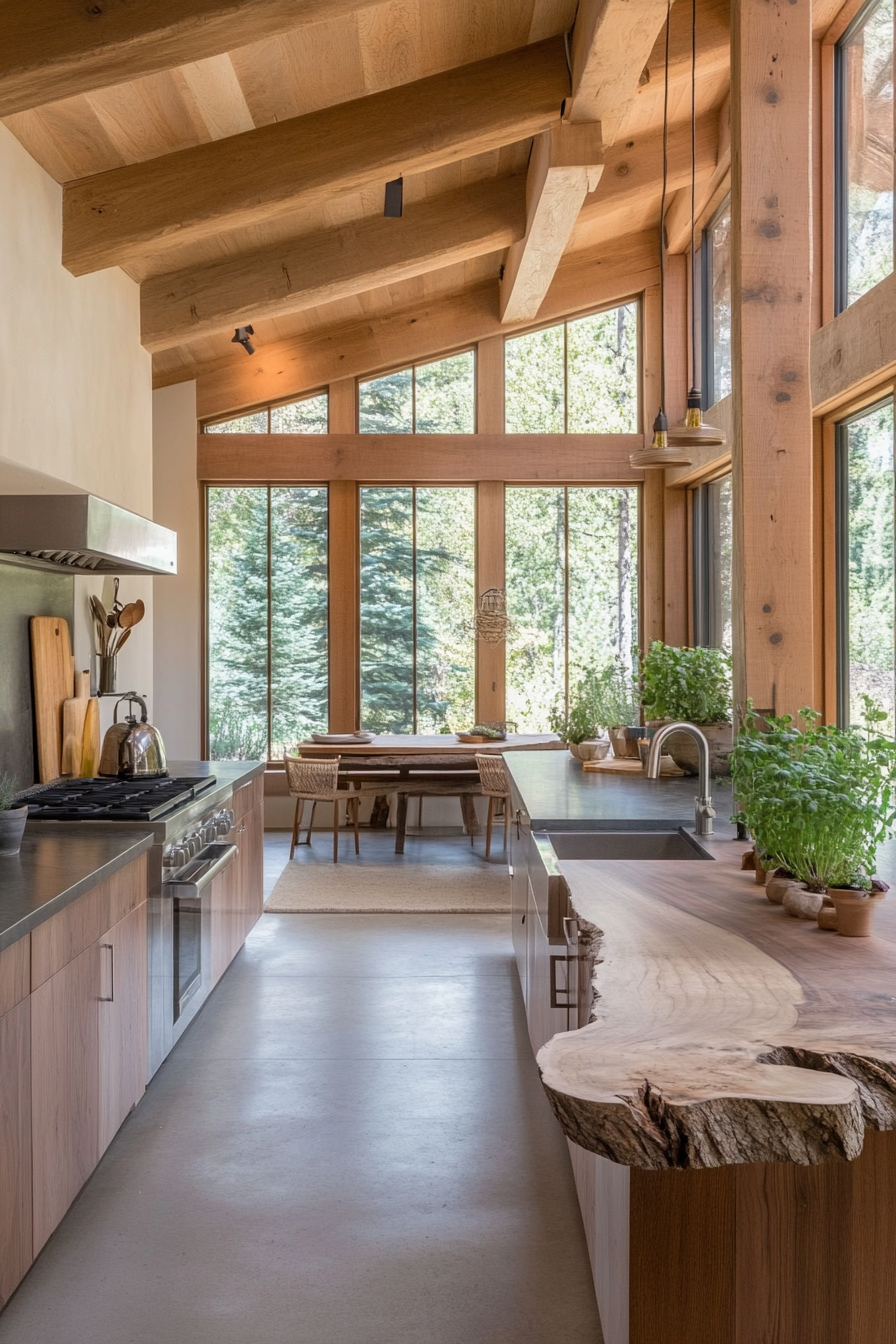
(663, 218)
(695, 382)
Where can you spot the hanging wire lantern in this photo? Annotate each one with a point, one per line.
(661, 453)
(491, 622)
(692, 432)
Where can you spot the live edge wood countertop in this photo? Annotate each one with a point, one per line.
(723, 1030)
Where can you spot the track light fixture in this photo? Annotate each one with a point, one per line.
(660, 454)
(241, 337)
(394, 203)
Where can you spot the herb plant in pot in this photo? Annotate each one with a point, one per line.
(615, 707)
(818, 802)
(681, 685)
(12, 817)
(575, 724)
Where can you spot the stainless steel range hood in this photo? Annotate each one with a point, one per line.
(81, 534)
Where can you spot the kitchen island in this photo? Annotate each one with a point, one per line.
(730, 1092)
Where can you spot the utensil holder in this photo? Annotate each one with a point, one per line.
(108, 674)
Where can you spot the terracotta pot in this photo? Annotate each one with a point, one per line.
(594, 749)
(574, 750)
(625, 741)
(827, 915)
(761, 873)
(12, 827)
(776, 885)
(683, 749)
(801, 903)
(855, 910)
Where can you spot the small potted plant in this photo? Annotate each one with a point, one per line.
(575, 724)
(818, 802)
(12, 816)
(615, 707)
(681, 685)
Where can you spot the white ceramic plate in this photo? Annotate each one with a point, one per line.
(341, 739)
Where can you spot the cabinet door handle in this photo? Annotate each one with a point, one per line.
(109, 998)
(556, 989)
(571, 932)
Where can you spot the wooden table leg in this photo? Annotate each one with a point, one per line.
(401, 823)
(468, 812)
(379, 816)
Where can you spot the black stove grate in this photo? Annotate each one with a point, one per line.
(115, 799)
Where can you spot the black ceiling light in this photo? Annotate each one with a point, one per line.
(661, 453)
(241, 337)
(394, 199)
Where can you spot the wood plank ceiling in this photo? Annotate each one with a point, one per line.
(282, 226)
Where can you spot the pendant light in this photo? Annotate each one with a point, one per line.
(692, 432)
(661, 453)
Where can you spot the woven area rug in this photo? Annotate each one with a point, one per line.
(320, 889)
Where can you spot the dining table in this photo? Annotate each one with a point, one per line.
(420, 765)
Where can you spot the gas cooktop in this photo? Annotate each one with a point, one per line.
(115, 799)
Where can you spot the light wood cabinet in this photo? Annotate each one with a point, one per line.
(226, 919)
(237, 897)
(15, 1146)
(121, 1022)
(64, 1088)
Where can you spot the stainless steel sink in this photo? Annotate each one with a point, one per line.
(664, 845)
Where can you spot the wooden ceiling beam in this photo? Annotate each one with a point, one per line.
(417, 457)
(633, 171)
(611, 45)
(566, 163)
(322, 267)
(54, 49)
(118, 216)
(585, 280)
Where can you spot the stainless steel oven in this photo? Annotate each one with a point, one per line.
(188, 892)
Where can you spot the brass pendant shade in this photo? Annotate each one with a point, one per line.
(692, 432)
(660, 453)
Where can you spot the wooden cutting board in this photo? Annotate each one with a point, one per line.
(90, 746)
(51, 668)
(74, 713)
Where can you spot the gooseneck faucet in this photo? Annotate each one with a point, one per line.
(704, 811)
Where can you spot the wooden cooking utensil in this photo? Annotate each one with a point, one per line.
(90, 750)
(51, 653)
(74, 713)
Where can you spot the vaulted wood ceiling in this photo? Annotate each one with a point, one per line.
(239, 177)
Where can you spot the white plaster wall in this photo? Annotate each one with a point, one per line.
(75, 386)
(177, 650)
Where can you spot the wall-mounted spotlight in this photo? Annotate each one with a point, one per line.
(241, 337)
(394, 199)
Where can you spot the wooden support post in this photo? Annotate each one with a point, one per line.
(771, 249)
(675, 502)
(653, 558)
(343, 407)
(490, 386)
(490, 658)
(345, 601)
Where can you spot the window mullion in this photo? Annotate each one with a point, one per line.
(270, 657)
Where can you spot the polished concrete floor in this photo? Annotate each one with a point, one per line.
(349, 1146)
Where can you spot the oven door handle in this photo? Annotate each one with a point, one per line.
(206, 866)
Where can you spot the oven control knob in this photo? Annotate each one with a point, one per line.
(194, 843)
(222, 825)
(176, 857)
(208, 832)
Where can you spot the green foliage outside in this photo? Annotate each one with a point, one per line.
(417, 604)
(436, 398)
(818, 802)
(600, 699)
(687, 685)
(239, 598)
(580, 377)
(872, 600)
(308, 416)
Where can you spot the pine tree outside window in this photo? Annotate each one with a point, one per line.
(579, 377)
(267, 619)
(434, 398)
(571, 557)
(308, 415)
(417, 604)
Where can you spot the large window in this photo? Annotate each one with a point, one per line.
(307, 416)
(866, 614)
(716, 316)
(579, 377)
(267, 619)
(572, 591)
(436, 398)
(417, 608)
(712, 524)
(864, 103)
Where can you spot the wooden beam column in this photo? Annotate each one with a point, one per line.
(675, 502)
(652, 539)
(345, 569)
(771, 248)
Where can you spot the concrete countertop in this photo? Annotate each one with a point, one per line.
(559, 794)
(58, 862)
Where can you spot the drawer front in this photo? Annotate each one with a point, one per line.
(248, 796)
(15, 974)
(65, 936)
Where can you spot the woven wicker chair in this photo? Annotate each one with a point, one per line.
(495, 784)
(318, 782)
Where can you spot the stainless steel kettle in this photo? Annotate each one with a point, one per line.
(133, 750)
